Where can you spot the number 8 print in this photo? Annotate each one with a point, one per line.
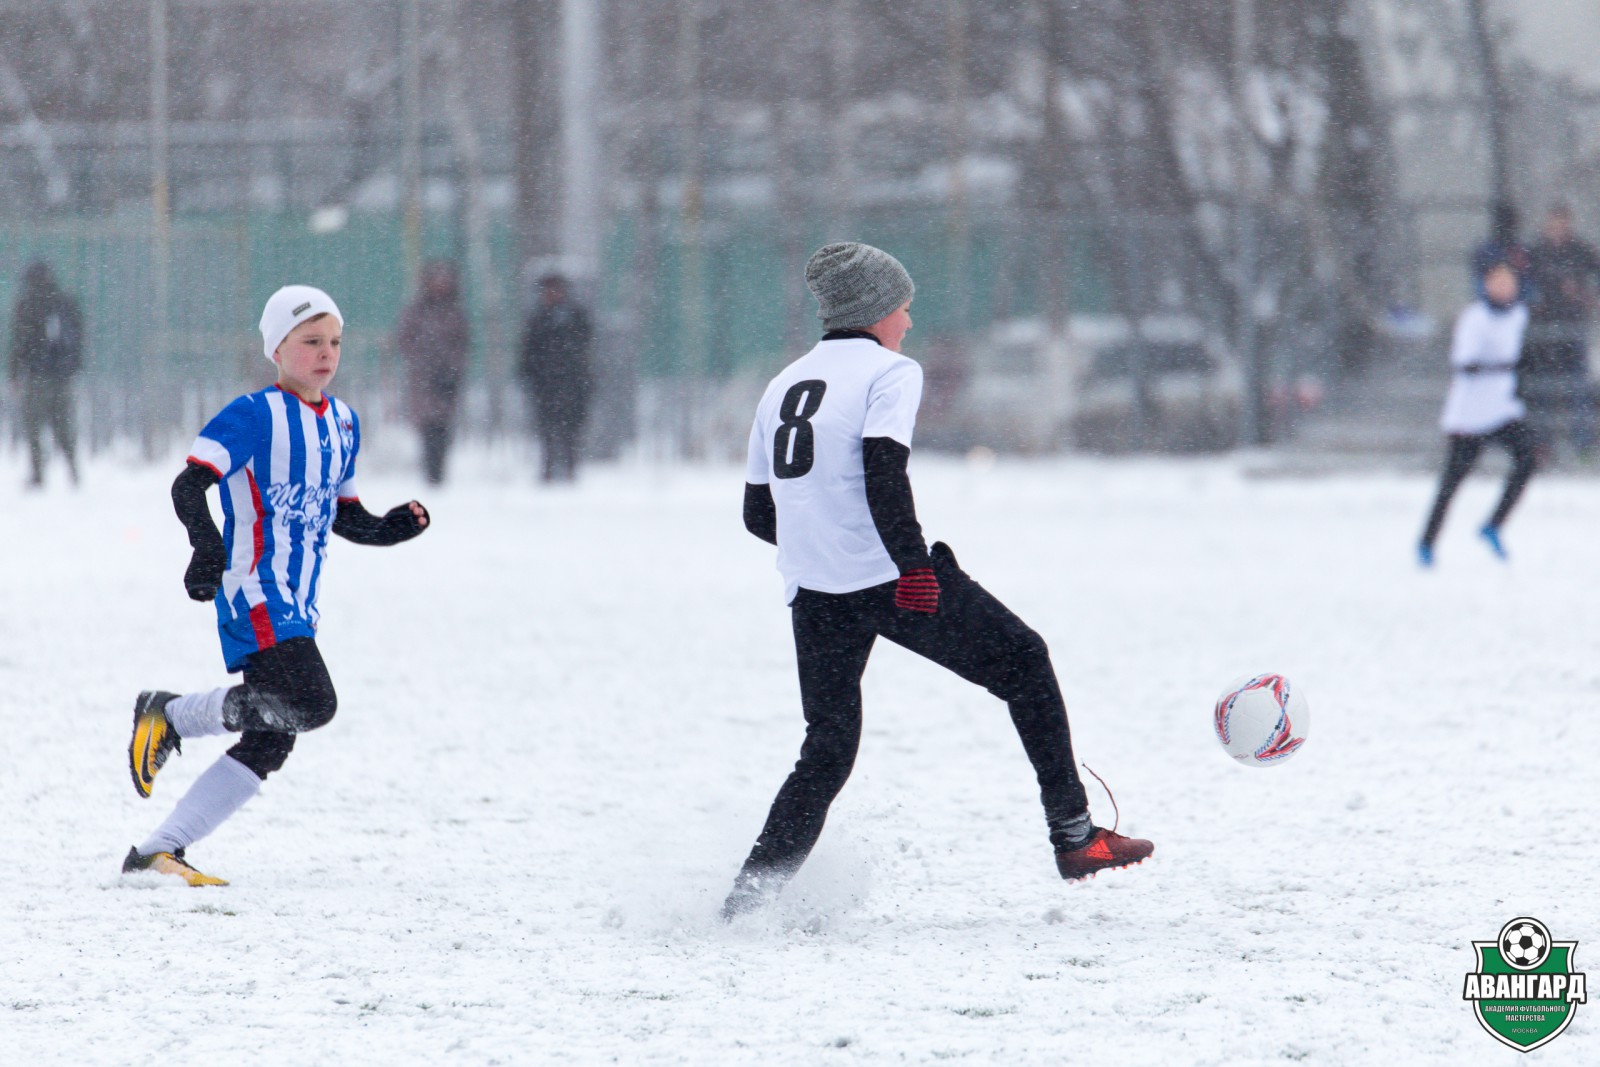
(794, 445)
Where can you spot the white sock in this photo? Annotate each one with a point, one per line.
(215, 795)
(197, 714)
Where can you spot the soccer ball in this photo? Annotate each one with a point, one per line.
(1524, 943)
(1261, 719)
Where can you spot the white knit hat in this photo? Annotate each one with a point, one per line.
(288, 308)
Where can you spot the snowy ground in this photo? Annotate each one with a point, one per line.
(563, 714)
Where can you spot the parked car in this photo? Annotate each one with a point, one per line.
(1097, 386)
(1172, 388)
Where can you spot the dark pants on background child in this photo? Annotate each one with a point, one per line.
(973, 634)
(286, 692)
(1517, 439)
(560, 434)
(435, 447)
(48, 402)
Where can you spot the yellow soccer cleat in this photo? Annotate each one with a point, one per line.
(153, 739)
(167, 863)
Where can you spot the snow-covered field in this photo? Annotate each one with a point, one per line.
(563, 714)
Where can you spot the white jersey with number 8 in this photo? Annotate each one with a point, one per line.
(806, 444)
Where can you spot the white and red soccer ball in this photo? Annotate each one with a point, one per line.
(1261, 719)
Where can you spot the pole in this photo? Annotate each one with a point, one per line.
(1253, 415)
(581, 184)
(692, 237)
(1047, 207)
(411, 145)
(1494, 99)
(485, 283)
(958, 223)
(838, 97)
(161, 220)
(536, 108)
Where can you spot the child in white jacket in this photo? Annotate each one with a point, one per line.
(1482, 406)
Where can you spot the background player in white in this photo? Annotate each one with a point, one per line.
(827, 484)
(285, 459)
(1482, 406)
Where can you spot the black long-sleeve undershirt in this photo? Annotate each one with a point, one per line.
(889, 499)
(189, 501)
(894, 511)
(356, 524)
(760, 513)
(353, 522)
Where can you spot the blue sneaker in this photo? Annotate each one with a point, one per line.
(1491, 534)
(1425, 555)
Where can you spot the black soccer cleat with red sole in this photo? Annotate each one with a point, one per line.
(1103, 851)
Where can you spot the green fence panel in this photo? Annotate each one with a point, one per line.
(223, 268)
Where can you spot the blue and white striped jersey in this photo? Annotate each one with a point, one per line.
(285, 465)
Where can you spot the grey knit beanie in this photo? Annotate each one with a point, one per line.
(856, 284)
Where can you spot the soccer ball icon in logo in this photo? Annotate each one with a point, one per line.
(1524, 943)
(1261, 719)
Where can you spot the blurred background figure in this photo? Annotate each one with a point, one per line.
(1482, 407)
(46, 354)
(557, 376)
(1503, 245)
(435, 341)
(1563, 280)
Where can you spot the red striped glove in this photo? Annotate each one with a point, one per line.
(918, 590)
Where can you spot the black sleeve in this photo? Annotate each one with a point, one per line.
(760, 513)
(189, 501)
(356, 524)
(894, 512)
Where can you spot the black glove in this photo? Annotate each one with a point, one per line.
(402, 525)
(204, 576)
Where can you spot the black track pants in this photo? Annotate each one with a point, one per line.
(973, 635)
(286, 692)
(1516, 438)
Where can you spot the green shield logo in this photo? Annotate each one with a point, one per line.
(1525, 991)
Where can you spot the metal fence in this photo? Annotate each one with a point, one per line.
(694, 314)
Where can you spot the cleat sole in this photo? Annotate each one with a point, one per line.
(1092, 875)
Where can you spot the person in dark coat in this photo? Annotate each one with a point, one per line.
(434, 339)
(46, 354)
(1565, 281)
(556, 374)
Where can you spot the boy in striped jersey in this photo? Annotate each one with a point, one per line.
(285, 459)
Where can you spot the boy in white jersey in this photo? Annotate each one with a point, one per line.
(285, 459)
(827, 483)
(1483, 407)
